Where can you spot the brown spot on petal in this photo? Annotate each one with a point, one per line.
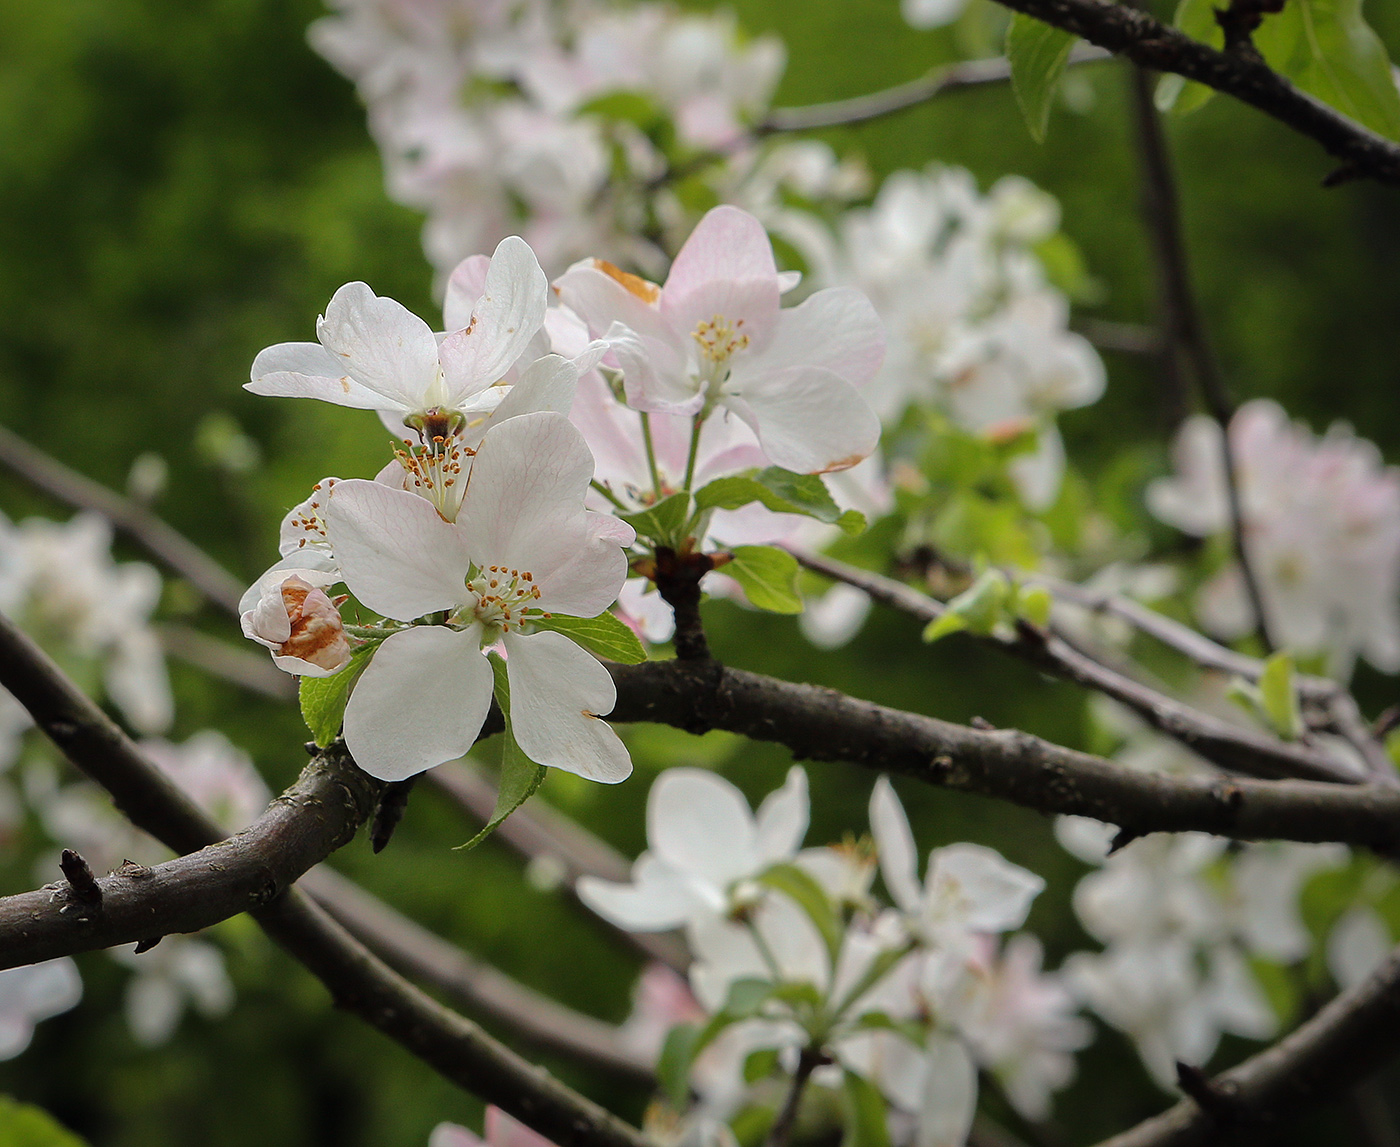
(843, 464)
(648, 292)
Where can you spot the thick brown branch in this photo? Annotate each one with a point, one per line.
(822, 724)
(1152, 44)
(1321, 1060)
(141, 525)
(1229, 746)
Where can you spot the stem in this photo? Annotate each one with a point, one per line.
(651, 454)
(694, 450)
(763, 949)
(609, 495)
(781, 1131)
(1181, 319)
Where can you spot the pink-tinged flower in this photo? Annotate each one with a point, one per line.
(715, 335)
(374, 354)
(501, 1131)
(296, 619)
(522, 547)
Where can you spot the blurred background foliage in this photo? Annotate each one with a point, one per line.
(184, 183)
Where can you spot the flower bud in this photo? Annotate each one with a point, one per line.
(296, 619)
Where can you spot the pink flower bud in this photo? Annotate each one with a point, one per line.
(300, 624)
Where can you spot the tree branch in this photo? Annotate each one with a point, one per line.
(1319, 1061)
(1229, 746)
(1185, 335)
(1152, 44)
(142, 526)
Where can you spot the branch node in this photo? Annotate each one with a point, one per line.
(393, 802)
(143, 946)
(82, 884)
(1346, 173)
(677, 574)
(1122, 838)
(1217, 1100)
(982, 723)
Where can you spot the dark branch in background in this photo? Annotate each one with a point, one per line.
(1229, 746)
(238, 665)
(1183, 330)
(860, 109)
(1319, 1061)
(131, 518)
(537, 831)
(781, 1131)
(1151, 44)
(357, 980)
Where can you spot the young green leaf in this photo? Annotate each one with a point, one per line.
(942, 626)
(768, 576)
(22, 1125)
(1176, 93)
(781, 491)
(323, 699)
(673, 1065)
(1279, 695)
(867, 1122)
(663, 522)
(1327, 49)
(1033, 603)
(520, 776)
(799, 886)
(1037, 53)
(604, 635)
(981, 607)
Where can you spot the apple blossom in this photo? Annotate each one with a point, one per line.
(715, 335)
(522, 547)
(32, 993)
(299, 623)
(177, 973)
(705, 850)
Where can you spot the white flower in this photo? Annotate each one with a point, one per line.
(715, 334)
(968, 888)
(374, 354)
(219, 776)
(1358, 945)
(177, 973)
(299, 623)
(704, 849)
(522, 545)
(33, 993)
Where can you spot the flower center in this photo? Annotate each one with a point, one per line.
(310, 521)
(505, 599)
(719, 339)
(434, 471)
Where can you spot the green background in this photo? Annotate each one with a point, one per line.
(182, 184)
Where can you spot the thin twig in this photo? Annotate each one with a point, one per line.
(1218, 741)
(1182, 325)
(142, 526)
(939, 81)
(781, 1131)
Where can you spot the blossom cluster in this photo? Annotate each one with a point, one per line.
(795, 955)
(1321, 521)
(536, 439)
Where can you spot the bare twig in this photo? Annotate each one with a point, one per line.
(1320, 1060)
(1224, 744)
(1150, 43)
(781, 1131)
(939, 81)
(1181, 321)
(172, 548)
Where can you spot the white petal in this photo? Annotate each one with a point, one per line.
(524, 510)
(836, 328)
(383, 345)
(420, 702)
(396, 553)
(503, 321)
(782, 819)
(950, 1094)
(309, 370)
(894, 843)
(464, 287)
(547, 383)
(657, 899)
(699, 823)
(558, 695)
(807, 418)
(995, 894)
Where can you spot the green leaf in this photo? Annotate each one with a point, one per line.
(520, 776)
(942, 626)
(1279, 695)
(769, 577)
(624, 104)
(781, 491)
(663, 522)
(1327, 49)
(1034, 603)
(981, 607)
(1176, 93)
(24, 1126)
(323, 699)
(1037, 53)
(673, 1066)
(867, 1123)
(604, 635)
(800, 887)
